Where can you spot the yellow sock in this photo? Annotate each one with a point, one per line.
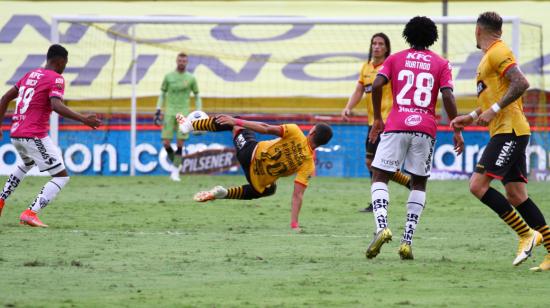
(234, 193)
(516, 222)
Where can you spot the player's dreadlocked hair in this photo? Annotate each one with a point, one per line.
(323, 134)
(386, 42)
(57, 51)
(420, 32)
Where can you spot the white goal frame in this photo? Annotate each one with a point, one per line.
(57, 19)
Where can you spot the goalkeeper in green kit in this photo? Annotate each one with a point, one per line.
(175, 91)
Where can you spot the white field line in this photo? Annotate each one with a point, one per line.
(212, 234)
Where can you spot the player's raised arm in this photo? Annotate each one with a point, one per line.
(259, 127)
(89, 120)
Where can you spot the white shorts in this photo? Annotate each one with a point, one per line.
(40, 152)
(412, 150)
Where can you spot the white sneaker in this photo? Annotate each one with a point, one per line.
(175, 174)
(185, 126)
(217, 192)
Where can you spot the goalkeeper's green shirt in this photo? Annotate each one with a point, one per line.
(176, 89)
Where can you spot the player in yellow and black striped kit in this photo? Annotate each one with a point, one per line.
(500, 86)
(266, 161)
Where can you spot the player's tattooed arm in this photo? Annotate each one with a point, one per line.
(518, 86)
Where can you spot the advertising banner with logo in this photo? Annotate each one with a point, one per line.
(97, 153)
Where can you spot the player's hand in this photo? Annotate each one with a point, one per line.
(223, 119)
(157, 120)
(92, 121)
(458, 142)
(486, 117)
(346, 113)
(461, 121)
(376, 129)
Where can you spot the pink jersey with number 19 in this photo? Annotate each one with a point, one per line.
(416, 77)
(31, 117)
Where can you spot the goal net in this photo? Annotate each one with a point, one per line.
(277, 69)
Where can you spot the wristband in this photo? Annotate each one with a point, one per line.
(294, 225)
(239, 122)
(495, 107)
(474, 115)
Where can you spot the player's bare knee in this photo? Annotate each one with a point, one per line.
(516, 196)
(380, 175)
(418, 182)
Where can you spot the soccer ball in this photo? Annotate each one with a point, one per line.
(197, 115)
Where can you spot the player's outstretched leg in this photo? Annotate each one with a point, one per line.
(209, 124)
(380, 201)
(13, 181)
(46, 195)
(415, 206)
(245, 192)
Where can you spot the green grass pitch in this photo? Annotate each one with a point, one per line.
(131, 242)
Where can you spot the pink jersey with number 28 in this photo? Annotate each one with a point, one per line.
(32, 107)
(416, 77)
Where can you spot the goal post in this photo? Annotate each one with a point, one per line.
(274, 65)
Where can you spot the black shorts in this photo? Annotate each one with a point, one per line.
(245, 143)
(371, 147)
(504, 158)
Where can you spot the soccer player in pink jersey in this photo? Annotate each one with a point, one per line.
(416, 75)
(38, 93)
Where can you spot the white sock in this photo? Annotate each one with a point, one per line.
(380, 200)
(13, 181)
(48, 193)
(415, 205)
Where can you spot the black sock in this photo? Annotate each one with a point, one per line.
(169, 149)
(179, 151)
(530, 212)
(497, 202)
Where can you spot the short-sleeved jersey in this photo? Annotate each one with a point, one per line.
(491, 87)
(177, 87)
(416, 78)
(284, 156)
(31, 117)
(366, 78)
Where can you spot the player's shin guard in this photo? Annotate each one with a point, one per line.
(380, 200)
(401, 178)
(498, 203)
(48, 193)
(209, 125)
(14, 179)
(415, 205)
(534, 218)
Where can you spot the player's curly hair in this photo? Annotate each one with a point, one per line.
(420, 32)
(386, 42)
(323, 134)
(57, 51)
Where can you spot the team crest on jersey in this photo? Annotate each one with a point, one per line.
(413, 120)
(480, 87)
